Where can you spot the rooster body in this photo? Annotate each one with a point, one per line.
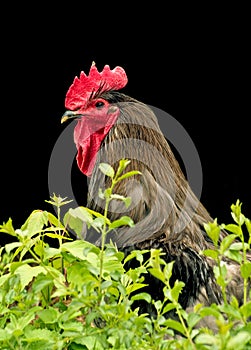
(167, 214)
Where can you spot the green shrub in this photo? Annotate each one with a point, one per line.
(74, 295)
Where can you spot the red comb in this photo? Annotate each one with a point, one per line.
(83, 87)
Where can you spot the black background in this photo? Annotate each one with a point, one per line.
(194, 64)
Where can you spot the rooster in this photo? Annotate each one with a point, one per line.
(166, 212)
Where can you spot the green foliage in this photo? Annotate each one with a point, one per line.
(74, 295)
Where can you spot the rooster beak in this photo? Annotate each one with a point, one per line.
(70, 115)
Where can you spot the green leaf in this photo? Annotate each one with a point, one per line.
(142, 296)
(213, 231)
(56, 236)
(41, 282)
(135, 286)
(234, 229)
(96, 214)
(8, 228)
(175, 325)
(28, 317)
(246, 309)
(248, 226)
(227, 241)
(210, 311)
(238, 217)
(234, 302)
(168, 307)
(4, 278)
(230, 310)
(81, 213)
(35, 222)
(137, 254)
(79, 276)
(50, 252)
(238, 246)
(221, 275)
(111, 265)
(193, 319)
(80, 249)
(176, 290)
(207, 339)
(27, 273)
(101, 194)
(246, 270)
(197, 307)
(58, 201)
(106, 169)
(105, 285)
(91, 342)
(48, 316)
(17, 324)
(74, 223)
(107, 193)
(158, 305)
(123, 163)
(10, 246)
(99, 223)
(238, 341)
(71, 328)
(126, 200)
(234, 255)
(4, 336)
(129, 174)
(168, 270)
(158, 274)
(117, 196)
(211, 253)
(123, 221)
(54, 220)
(39, 248)
(75, 219)
(34, 335)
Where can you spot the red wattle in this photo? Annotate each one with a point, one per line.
(88, 136)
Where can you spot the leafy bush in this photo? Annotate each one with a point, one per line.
(74, 295)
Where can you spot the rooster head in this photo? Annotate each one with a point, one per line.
(95, 115)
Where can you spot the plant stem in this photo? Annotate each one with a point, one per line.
(177, 307)
(185, 328)
(104, 233)
(60, 240)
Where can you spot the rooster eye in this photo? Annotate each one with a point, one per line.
(99, 104)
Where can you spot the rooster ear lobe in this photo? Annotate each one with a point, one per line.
(113, 109)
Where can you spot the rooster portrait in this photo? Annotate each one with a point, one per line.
(167, 214)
